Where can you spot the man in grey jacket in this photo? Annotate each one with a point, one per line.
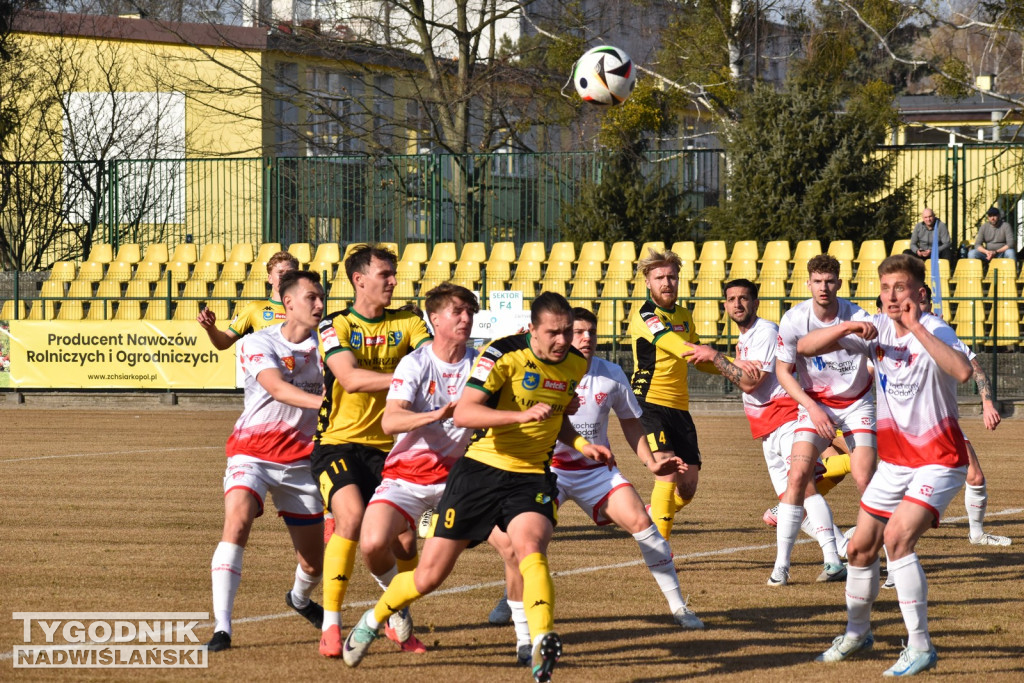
(997, 236)
(921, 239)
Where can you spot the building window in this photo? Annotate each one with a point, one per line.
(336, 114)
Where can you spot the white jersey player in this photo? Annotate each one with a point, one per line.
(269, 451)
(601, 490)
(923, 456)
(420, 403)
(772, 414)
(833, 390)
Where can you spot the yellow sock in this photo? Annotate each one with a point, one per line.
(680, 501)
(663, 506)
(339, 559)
(408, 565)
(399, 594)
(837, 466)
(538, 594)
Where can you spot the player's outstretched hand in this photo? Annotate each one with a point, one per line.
(666, 466)
(702, 353)
(446, 411)
(990, 415)
(600, 454)
(206, 318)
(862, 329)
(573, 406)
(536, 413)
(749, 368)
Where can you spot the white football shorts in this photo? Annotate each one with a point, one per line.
(296, 495)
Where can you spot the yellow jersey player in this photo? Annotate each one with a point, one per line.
(362, 346)
(255, 315)
(663, 336)
(515, 398)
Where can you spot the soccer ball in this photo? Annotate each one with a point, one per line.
(604, 75)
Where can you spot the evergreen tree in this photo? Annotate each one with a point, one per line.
(803, 168)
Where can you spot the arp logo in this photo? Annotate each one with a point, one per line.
(356, 339)
(531, 380)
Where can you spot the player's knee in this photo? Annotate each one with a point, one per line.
(975, 477)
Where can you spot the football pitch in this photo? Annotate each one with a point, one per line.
(120, 511)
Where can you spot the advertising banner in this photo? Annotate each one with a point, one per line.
(111, 354)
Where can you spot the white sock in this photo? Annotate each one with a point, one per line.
(912, 591)
(841, 541)
(861, 593)
(819, 514)
(371, 621)
(226, 574)
(331, 619)
(976, 501)
(789, 519)
(303, 587)
(520, 622)
(657, 555)
(384, 580)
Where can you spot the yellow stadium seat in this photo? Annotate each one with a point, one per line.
(42, 309)
(841, 249)
(967, 287)
(592, 251)
(7, 311)
(91, 271)
(212, 252)
(707, 330)
(186, 310)
(525, 284)
(179, 270)
(867, 292)
(713, 250)
(205, 271)
(119, 271)
(340, 288)
(148, 272)
(646, 247)
(871, 250)
(234, 271)
(686, 250)
(129, 253)
(804, 252)
(562, 251)
(220, 308)
(137, 289)
(302, 251)
(108, 290)
(799, 291)
(429, 282)
(620, 269)
(609, 317)
(156, 253)
(770, 310)
(185, 253)
(583, 293)
(559, 269)
(241, 252)
(775, 268)
(776, 250)
(52, 289)
(615, 289)
(533, 251)
(1001, 268)
(404, 293)
(1003, 287)
(711, 269)
(743, 268)
(528, 270)
(225, 289)
(623, 251)
(101, 253)
(327, 254)
(467, 274)
(744, 250)
(196, 289)
(502, 251)
(556, 285)
(64, 271)
(71, 309)
(267, 249)
(867, 270)
(590, 268)
(492, 284)
(443, 251)
(156, 310)
(845, 269)
(899, 246)
(128, 310)
(970, 332)
(255, 289)
(100, 309)
(438, 269)
(844, 289)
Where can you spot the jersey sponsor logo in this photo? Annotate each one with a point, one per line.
(453, 389)
(531, 380)
(898, 391)
(530, 364)
(601, 398)
(583, 402)
(819, 363)
(681, 328)
(396, 384)
(375, 340)
(553, 384)
(450, 375)
(289, 362)
(482, 369)
(356, 339)
(394, 338)
(654, 324)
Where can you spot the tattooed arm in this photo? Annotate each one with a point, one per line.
(988, 409)
(745, 374)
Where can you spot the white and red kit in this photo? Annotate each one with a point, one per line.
(270, 445)
(768, 407)
(417, 467)
(839, 380)
(920, 444)
(588, 482)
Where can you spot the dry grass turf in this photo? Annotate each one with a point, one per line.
(120, 510)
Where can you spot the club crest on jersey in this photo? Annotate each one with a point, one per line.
(879, 353)
(543, 498)
(531, 380)
(432, 388)
(572, 386)
(268, 313)
(601, 398)
(289, 362)
(394, 338)
(356, 339)
(396, 384)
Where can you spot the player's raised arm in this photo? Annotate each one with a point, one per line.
(220, 339)
(399, 417)
(473, 412)
(273, 381)
(636, 437)
(950, 360)
(826, 339)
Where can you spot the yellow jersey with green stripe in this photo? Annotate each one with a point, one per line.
(378, 345)
(256, 316)
(658, 376)
(514, 378)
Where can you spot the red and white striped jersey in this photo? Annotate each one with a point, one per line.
(767, 407)
(918, 417)
(268, 429)
(426, 454)
(835, 379)
(603, 389)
